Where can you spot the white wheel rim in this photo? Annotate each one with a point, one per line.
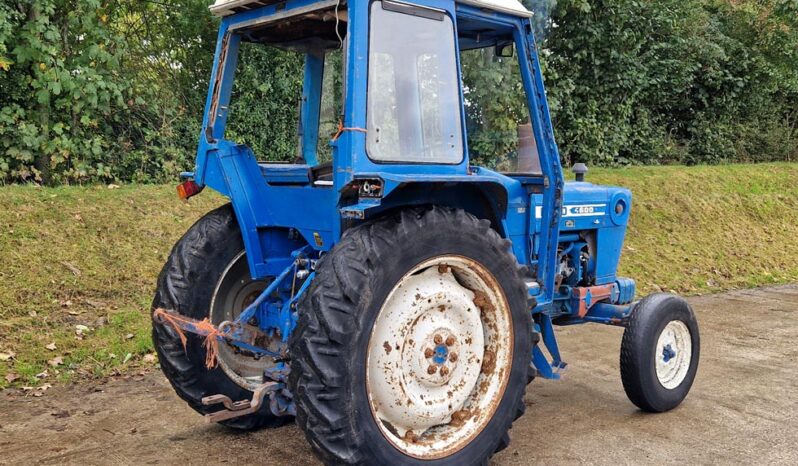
(673, 353)
(439, 357)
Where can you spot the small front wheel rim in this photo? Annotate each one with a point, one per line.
(673, 354)
(439, 357)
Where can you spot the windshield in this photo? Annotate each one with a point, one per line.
(413, 93)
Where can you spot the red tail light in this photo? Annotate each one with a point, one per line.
(187, 189)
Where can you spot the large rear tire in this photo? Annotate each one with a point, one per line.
(372, 364)
(206, 277)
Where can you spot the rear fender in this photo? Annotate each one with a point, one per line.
(499, 199)
(483, 200)
(271, 224)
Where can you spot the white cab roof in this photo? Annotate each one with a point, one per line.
(513, 7)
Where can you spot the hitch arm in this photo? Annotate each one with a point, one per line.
(235, 409)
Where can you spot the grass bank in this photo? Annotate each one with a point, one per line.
(79, 263)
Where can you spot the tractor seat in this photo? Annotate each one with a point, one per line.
(322, 172)
(295, 173)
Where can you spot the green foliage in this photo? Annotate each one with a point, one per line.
(264, 109)
(495, 106)
(666, 81)
(92, 90)
(88, 94)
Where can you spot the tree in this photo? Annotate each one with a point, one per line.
(100, 90)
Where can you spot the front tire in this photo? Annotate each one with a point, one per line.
(391, 302)
(659, 352)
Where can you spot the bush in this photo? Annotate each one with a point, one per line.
(673, 81)
(95, 91)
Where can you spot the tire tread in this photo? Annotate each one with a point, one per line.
(328, 319)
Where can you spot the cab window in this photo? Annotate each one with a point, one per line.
(413, 89)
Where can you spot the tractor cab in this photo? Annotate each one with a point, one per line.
(383, 119)
(410, 106)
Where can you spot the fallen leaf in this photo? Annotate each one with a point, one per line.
(51, 347)
(11, 377)
(32, 313)
(129, 336)
(127, 358)
(149, 358)
(74, 313)
(7, 356)
(37, 392)
(56, 361)
(72, 268)
(113, 186)
(66, 303)
(42, 375)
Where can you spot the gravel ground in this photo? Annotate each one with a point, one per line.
(743, 407)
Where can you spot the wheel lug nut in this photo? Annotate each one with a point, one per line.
(437, 339)
(444, 371)
(428, 353)
(431, 370)
(453, 357)
(450, 340)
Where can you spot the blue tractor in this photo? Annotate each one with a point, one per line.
(396, 300)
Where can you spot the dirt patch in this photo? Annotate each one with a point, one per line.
(743, 407)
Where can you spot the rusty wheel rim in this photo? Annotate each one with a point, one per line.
(234, 291)
(439, 357)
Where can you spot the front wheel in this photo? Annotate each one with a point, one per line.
(659, 352)
(413, 344)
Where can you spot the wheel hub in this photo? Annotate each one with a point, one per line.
(675, 350)
(234, 292)
(439, 356)
(668, 353)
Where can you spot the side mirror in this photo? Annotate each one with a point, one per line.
(506, 50)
